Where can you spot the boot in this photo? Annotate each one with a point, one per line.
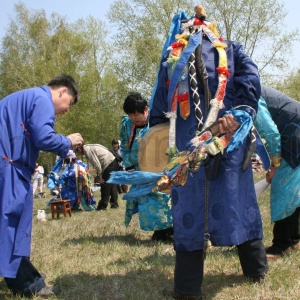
(169, 292)
(48, 291)
(164, 235)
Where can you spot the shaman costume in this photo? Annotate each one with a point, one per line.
(200, 76)
(77, 186)
(26, 127)
(74, 184)
(284, 112)
(154, 211)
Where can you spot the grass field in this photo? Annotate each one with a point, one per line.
(91, 255)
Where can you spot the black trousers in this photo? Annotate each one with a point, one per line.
(253, 259)
(28, 280)
(188, 274)
(109, 192)
(286, 232)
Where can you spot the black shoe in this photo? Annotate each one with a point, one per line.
(256, 279)
(101, 208)
(169, 292)
(275, 251)
(48, 291)
(164, 235)
(114, 206)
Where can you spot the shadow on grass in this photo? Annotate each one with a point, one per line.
(128, 239)
(144, 279)
(143, 282)
(133, 285)
(137, 284)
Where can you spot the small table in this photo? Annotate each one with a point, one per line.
(59, 206)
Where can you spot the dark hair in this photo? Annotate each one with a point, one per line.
(65, 81)
(69, 159)
(115, 141)
(134, 103)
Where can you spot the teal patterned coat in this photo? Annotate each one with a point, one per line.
(153, 209)
(278, 122)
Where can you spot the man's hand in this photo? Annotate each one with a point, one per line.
(270, 174)
(76, 139)
(228, 124)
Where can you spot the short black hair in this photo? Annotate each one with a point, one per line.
(115, 141)
(65, 81)
(134, 103)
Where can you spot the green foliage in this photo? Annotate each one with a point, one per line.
(142, 28)
(144, 25)
(258, 26)
(36, 49)
(290, 86)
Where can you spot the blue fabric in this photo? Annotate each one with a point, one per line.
(130, 154)
(285, 112)
(77, 187)
(153, 209)
(242, 132)
(268, 129)
(139, 190)
(194, 41)
(260, 149)
(234, 216)
(21, 145)
(136, 177)
(276, 112)
(174, 29)
(285, 191)
(52, 181)
(246, 123)
(143, 182)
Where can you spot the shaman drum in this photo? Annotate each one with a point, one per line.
(152, 156)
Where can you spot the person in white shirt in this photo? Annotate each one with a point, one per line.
(38, 179)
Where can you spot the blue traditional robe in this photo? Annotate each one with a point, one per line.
(26, 126)
(232, 214)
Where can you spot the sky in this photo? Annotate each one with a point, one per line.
(76, 9)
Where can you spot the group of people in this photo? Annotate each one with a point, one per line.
(204, 84)
(75, 183)
(70, 179)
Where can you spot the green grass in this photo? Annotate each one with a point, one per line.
(91, 255)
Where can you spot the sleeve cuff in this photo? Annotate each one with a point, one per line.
(276, 161)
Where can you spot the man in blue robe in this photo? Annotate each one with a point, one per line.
(218, 201)
(27, 120)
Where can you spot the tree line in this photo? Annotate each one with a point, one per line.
(110, 59)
